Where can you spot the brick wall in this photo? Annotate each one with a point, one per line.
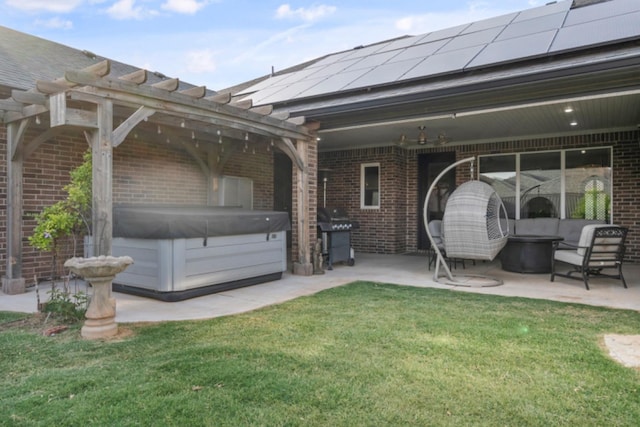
(393, 227)
(381, 230)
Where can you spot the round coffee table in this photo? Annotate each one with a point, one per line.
(526, 253)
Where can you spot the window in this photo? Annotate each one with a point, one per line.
(540, 185)
(588, 183)
(554, 184)
(370, 185)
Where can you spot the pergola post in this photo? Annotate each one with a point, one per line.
(102, 179)
(303, 266)
(14, 283)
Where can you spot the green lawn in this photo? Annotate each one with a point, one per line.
(365, 354)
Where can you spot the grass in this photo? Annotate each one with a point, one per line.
(365, 354)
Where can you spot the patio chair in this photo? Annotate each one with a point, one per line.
(472, 222)
(601, 247)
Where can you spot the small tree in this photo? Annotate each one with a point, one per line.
(70, 217)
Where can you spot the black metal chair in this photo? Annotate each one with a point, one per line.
(601, 247)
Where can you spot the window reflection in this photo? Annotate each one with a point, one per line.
(500, 173)
(540, 185)
(580, 189)
(588, 184)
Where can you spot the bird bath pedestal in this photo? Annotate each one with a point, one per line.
(99, 271)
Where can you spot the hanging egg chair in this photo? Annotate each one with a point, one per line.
(474, 226)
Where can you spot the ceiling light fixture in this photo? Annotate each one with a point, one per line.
(574, 123)
(422, 138)
(568, 110)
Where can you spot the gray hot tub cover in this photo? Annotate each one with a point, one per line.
(177, 222)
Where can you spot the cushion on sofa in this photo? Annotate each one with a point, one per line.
(571, 230)
(537, 226)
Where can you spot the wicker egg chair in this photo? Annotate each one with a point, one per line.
(472, 224)
(472, 227)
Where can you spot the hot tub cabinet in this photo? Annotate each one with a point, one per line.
(181, 253)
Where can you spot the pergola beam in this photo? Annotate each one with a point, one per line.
(176, 102)
(121, 132)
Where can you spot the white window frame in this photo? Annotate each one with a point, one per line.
(363, 188)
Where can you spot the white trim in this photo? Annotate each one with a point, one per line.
(363, 166)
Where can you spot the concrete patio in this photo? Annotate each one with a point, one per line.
(408, 270)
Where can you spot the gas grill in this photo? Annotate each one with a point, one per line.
(334, 227)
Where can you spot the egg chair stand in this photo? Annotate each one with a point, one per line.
(472, 229)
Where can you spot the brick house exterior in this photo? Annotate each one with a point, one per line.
(393, 228)
(146, 171)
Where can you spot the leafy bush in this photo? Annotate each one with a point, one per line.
(67, 218)
(67, 306)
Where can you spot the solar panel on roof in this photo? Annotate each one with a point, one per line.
(331, 59)
(385, 73)
(401, 43)
(263, 84)
(485, 24)
(258, 96)
(549, 9)
(443, 34)
(420, 51)
(443, 63)
(373, 60)
(533, 26)
(287, 92)
(600, 11)
(332, 69)
(365, 51)
(472, 39)
(506, 38)
(333, 83)
(513, 49)
(597, 32)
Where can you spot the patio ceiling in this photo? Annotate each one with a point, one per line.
(618, 111)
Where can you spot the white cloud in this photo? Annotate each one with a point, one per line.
(127, 9)
(56, 23)
(184, 6)
(58, 6)
(307, 14)
(201, 61)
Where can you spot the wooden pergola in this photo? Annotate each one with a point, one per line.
(91, 102)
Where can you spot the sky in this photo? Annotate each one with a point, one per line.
(221, 43)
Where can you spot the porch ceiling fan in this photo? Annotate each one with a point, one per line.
(422, 139)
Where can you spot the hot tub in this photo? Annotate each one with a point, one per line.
(184, 252)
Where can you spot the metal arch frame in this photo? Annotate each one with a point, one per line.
(451, 279)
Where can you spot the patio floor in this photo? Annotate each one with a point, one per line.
(399, 269)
